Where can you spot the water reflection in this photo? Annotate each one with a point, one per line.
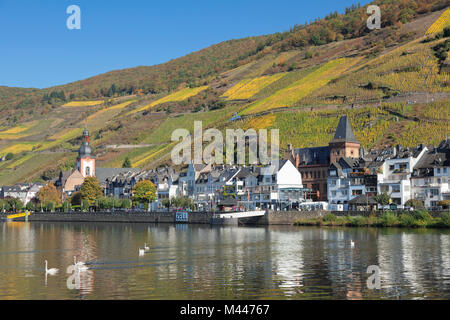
(203, 262)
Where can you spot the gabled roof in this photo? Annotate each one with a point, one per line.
(362, 200)
(104, 173)
(347, 163)
(14, 188)
(228, 174)
(437, 157)
(310, 156)
(344, 131)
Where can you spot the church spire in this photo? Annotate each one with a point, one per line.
(344, 131)
(85, 137)
(86, 160)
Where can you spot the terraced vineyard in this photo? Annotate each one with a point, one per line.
(441, 23)
(83, 103)
(180, 95)
(409, 68)
(247, 88)
(295, 92)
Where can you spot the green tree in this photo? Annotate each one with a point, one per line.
(144, 192)
(109, 202)
(126, 163)
(30, 206)
(14, 204)
(75, 199)
(126, 203)
(84, 205)
(66, 206)
(4, 205)
(9, 156)
(382, 198)
(415, 203)
(166, 203)
(182, 202)
(91, 190)
(50, 206)
(447, 32)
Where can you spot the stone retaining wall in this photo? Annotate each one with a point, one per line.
(131, 217)
(270, 218)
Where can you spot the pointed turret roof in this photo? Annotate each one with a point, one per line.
(344, 131)
(85, 149)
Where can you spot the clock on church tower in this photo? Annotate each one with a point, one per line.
(85, 160)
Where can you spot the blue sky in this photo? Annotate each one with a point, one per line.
(37, 50)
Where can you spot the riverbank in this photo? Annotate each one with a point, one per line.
(299, 218)
(414, 219)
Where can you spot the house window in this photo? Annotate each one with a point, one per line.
(438, 170)
(88, 171)
(445, 170)
(391, 167)
(333, 193)
(396, 188)
(434, 192)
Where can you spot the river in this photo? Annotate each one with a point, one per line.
(216, 262)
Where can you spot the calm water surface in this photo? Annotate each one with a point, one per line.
(203, 262)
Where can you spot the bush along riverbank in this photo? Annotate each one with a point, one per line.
(413, 219)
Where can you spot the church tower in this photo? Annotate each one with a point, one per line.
(344, 143)
(85, 160)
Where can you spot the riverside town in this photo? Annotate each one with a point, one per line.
(340, 177)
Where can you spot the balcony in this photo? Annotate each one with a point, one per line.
(395, 179)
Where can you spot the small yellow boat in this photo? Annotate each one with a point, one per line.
(18, 215)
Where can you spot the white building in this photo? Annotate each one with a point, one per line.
(24, 192)
(279, 188)
(431, 176)
(395, 173)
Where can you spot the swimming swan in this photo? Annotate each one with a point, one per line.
(51, 271)
(80, 265)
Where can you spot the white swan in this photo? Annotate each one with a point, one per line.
(80, 265)
(141, 252)
(146, 248)
(51, 271)
(352, 244)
